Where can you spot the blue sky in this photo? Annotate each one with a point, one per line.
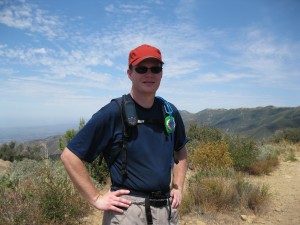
(63, 60)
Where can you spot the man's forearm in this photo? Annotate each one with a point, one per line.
(79, 175)
(179, 171)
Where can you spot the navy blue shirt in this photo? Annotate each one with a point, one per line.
(150, 148)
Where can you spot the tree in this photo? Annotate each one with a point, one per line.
(63, 142)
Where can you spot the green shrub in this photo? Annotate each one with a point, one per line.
(243, 152)
(98, 170)
(204, 133)
(291, 135)
(12, 151)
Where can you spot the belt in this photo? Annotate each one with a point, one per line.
(156, 202)
(162, 194)
(156, 199)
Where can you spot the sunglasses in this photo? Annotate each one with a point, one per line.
(144, 69)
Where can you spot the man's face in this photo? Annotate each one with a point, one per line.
(148, 82)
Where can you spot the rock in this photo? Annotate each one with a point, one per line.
(244, 217)
(278, 210)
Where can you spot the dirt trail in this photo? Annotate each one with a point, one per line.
(284, 184)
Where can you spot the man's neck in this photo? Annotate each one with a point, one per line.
(145, 101)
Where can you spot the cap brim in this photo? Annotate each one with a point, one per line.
(146, 57)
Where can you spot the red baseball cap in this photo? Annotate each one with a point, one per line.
(143, 52)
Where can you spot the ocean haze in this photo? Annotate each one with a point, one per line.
(29, 133)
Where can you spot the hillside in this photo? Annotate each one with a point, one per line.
(260, 122)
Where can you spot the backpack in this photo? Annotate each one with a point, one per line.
(130, 120)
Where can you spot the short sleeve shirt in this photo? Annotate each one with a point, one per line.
(150, 147)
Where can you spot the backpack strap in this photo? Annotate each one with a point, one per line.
(129, 120)
(169, 122)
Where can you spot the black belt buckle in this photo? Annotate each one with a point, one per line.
(158, 195)
(158, 202)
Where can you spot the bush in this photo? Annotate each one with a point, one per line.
(211, 155)
(263, 166)
(204, 134)
(252, 197)
(289, 135)
(244, 152)
(207, 148)
(267, 160)
(98, 170)
(11, 152)
(201, 135)
(222, 190)
(39, 192)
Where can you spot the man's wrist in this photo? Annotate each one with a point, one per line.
(176, 187)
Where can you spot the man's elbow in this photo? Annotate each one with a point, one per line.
(65, 155)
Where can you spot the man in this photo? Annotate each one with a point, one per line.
(142, 191)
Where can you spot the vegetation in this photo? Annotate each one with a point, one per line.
(12, 151)
(37, 190)
(289, 135)
(69, 135)
(210, 156)
(243, 151)
(220, 190)
(219, 160)
(40, 192)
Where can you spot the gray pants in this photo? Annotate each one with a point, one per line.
(135, 214)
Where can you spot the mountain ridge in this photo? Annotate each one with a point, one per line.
(259, 122)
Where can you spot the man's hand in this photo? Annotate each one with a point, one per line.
(179, 173)
(112, 200)
(176, 195)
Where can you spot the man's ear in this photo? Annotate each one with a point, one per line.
(129, 73)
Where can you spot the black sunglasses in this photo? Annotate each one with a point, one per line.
(144, 69)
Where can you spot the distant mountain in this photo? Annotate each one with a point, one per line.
(50, 146)
(260, 122)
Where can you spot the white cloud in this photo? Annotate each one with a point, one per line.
(109, 8)
(25, 16)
